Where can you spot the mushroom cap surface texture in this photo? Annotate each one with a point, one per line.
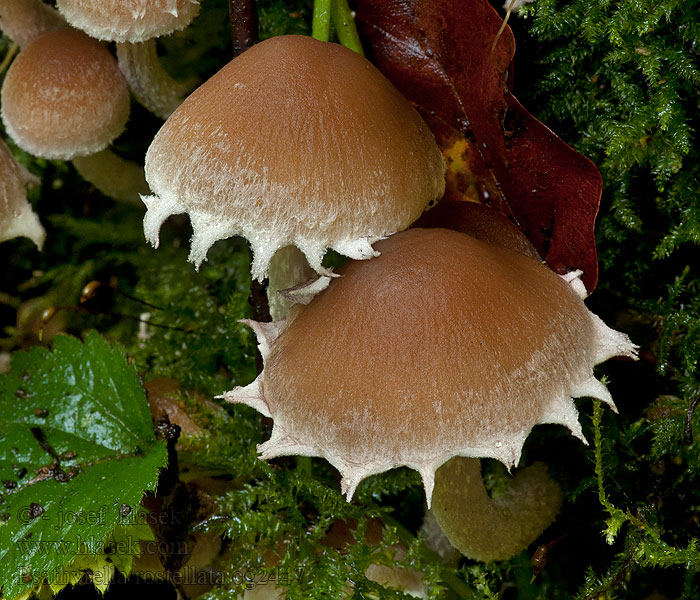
(17, 219)
(128, 20)
(64, 96)
(443, 346)
(295, 142)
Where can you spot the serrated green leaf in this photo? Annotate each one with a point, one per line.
(77, 449)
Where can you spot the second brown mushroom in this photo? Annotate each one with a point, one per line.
(443, 346)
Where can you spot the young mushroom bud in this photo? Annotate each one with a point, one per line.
(295, 142)
(485, 528)
(64, 98)
(17, 219)
(448, 347)
(134, 25)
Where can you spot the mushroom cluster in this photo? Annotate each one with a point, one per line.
(430, 350)
(443, 346)
(134, 25)
(65, 97)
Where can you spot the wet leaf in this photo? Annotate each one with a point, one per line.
(439, 54)
(77, 444)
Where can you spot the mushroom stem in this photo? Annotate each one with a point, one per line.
(288, 268)
(485, 528)
(151, 85)
(114, 176)
(23, 21)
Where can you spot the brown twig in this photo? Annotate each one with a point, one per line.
(688, 431)
(244, 24)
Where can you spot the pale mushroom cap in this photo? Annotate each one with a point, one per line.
(64, 96)
(128, 20)
(443, 346)
(295, 142)
(23, 21)
(16, 216)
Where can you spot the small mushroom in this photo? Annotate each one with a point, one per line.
(443, 346)
(64, 98)
(295, 142)
(134, 25)
(23, 21)
(17, 219)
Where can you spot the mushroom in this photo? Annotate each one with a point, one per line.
(443, 346)
(134, 25)
(23, 21)
(17, 219)
(64, 98)
(295, 142)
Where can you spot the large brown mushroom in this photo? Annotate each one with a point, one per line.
(443, 346)
(295, 142)
(134, 25)
(64, 98)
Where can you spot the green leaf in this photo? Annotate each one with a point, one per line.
(77, 453)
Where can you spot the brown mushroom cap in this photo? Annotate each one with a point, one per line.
(64, 96)
(16, 216)
(128, 20)
(443, 346)
(294, 142)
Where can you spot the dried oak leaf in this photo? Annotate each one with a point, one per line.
(439, 54)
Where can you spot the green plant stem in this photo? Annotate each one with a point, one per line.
(345, 26)
(14, 49)
(321, 23)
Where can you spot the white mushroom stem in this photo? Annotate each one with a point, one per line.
(23, 21)
(485, 528)
(151, 85)
(114, 176)
(288, 268)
